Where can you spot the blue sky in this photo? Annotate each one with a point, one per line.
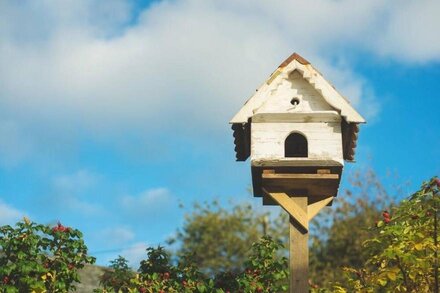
(114, 112)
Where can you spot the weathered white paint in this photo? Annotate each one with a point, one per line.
(324, 140)
(278, 81)
(294, 87)
(318, 116)
(313, 117)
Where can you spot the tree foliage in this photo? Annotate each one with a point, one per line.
(364, 243)
(403, 252)
(338, 232)
(219, 238)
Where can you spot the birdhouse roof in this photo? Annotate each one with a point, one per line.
(309, 73)
(351, 118)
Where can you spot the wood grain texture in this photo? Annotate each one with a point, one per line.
(295, 162)
(314, 208)
(301, 176)
(314, 184)
(324, 140)
(299, 252)
(289, 205)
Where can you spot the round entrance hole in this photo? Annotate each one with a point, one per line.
(294, 102)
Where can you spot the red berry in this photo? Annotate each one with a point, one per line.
(71, 266)
(387, 220)
(385, 214)
(166, 275)
(60, 228)
(143, 290)
(184, 283)
(5, 280)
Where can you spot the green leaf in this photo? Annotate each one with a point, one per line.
(392, 276)
(382, 282)
(418, 246)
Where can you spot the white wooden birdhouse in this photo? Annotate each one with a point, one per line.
(298, 131)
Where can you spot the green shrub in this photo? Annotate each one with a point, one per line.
(403, 253)
(40, 258)
(265, 272)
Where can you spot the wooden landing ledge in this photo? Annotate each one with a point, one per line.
(295, 162)
(300, 176)
(311, 185)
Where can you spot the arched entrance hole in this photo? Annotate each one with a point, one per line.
(296, 146)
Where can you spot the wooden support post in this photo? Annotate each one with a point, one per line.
(300, 213)
(299, 252)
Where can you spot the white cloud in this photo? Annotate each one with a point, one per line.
(76, 182)
(75, 191)
(135, 254)
(70, 202)
(8, 214)
(69, 65)
(411, 33)
(155, 199)
(117, 235)
(14, 145)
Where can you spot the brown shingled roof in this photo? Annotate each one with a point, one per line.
(292, 57)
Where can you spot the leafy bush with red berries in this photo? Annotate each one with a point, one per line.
(265, 272)
(403, 254)
(118, 278)
(40, 258)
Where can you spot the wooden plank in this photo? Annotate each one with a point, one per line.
(323, 171)
(317, 186)
(301, 176)
(289, 205)
(317, 116)
(314, 208)
(302, 182)
(299, 252)
(268, 201)
(294, 162)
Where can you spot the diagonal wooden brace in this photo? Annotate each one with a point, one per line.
(314, 208)
(292, 208)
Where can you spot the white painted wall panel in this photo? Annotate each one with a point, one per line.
(324, 139)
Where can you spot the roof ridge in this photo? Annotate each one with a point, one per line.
(294, 56)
